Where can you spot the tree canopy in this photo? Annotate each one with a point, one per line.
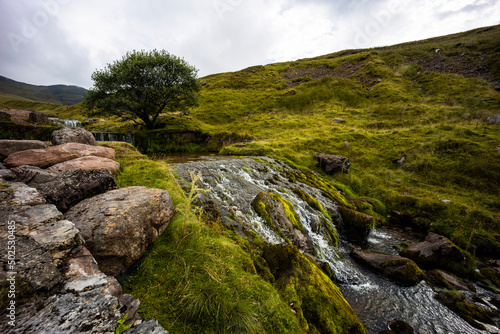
(143, 84)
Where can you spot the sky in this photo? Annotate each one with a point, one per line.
(46, 42)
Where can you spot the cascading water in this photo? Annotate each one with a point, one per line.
(114, 136)
(232, 186)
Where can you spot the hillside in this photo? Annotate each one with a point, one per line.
(60, 94)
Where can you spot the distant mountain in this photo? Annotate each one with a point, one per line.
(62, 94)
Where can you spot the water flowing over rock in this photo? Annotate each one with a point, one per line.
(119, 225)
(44, 158)
(115, 136)
(86, 163)
(72, 135)
(8, 146)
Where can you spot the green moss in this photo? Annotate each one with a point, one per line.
(11, 130)
(404, 272)
(356, 226)
(313, 203)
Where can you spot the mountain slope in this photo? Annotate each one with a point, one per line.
(61, 94)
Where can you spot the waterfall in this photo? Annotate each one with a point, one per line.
(114, 136)
(71, 122)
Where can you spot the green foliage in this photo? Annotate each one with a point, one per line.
(11, 130)
(142, 85)
(121, 327)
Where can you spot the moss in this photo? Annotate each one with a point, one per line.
(305, 287)
(313, 203)
(356, 226)
(403, 271)
(11, 130)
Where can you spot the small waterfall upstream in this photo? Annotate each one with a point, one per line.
(233, 184)
(114, 136)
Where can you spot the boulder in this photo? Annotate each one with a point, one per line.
(32, 175)
(73, 186)
(8, 146)
(437, 252)
(398, 269)
(147, 327)
(38, 118)
(493, 120)
(119, 225)
(47, 157)
(7, 175)
(4, 116)
(445, 280)
(72, 135)
(331, 164)
(86, 163)
(25, 195)
(280, 216)
(355, 226)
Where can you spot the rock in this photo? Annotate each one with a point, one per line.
(130, 306)
(47, 157)
(147, 327)
(88, 313)
(73, 186)
(355, 226)
(7, 175)
(86, 163)
(446, 280)
(493, 120)
(338, 120)
(347, 144)
(400, 327)
(8, 146)
(24, 195)
(280, 216)
(398, 269)
(72, 135)
(401, 161)
(118, 226)
(331, 164)
(4, 116)
(83, 274)
(38, 118)
(437, 252)
(470, 312)
(35, 216)
(57, 238)
(32, 175)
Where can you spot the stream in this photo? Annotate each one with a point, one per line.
(234, 183)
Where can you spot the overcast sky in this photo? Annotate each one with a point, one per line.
(47, 42)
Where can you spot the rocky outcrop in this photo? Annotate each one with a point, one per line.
(86, 163)
(355, 226)
(398, 269)
(56, 154)
(32, 175)
(280, 216)
(8, 146)
(437, 252)
(118, 226)
(71, 187)
(332, 164)
(38, 118)
(72, 135)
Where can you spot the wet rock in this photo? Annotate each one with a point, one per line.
(119, 225)
(446, 280)
(72, 135)
(470, 312)
(86, 163)
(71, 187)
(8, 146)
(147, 327)
(400, 327)
(398, 269)
(280, 215)
(4, 116)
(32, 175)
(50, 156)
(38, 118)
(331, 164)
(493, 120)
(83, 274)
(437, 252)
(355, 226)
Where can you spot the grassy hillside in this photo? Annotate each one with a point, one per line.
(60, 94)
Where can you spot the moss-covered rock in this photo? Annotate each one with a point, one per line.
(398, 269)
(470, 312)
(442, 279)
(316, 300)
(356, 226)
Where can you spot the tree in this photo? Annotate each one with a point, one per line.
(142, 85)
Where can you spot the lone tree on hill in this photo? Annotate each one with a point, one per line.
(142, 85)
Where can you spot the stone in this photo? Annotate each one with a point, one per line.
(87, 313)
(32, 175)
(25, 195)
(73, 186)
(50, 156)
(35, 216)
(493, 120)
(83, 274)
(38, 118)
(86, 163)
(331, 164)
(7, 175)
(400, 327)
(280, 216)
(437, 252)
(356, 226)
(400, 270)
(119, 225)
(57, 238)
(130, 306)
(8, 146)
(72, 135)
(5, 116)
(445, 280)
(338, 120)
(147, 327)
